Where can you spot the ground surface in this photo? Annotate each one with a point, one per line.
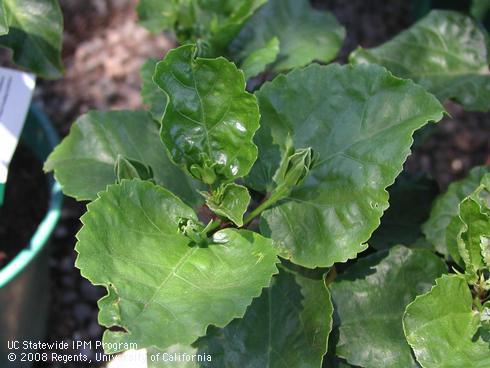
(103, 50)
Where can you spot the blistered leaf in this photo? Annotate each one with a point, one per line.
(446, 207)
(304, 34)
(410, 204)
(258, 60)
(370, 299)
(230, 201)
(35, 34)
(163, 289)
(442, 327)
(210, 119)
(359, 121)
(445, 52)
(288, 326)
(84, 161)
(153, 97)
(213, 23)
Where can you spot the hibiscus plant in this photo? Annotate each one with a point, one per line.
(226, 219)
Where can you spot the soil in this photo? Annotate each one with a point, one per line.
(19, 218)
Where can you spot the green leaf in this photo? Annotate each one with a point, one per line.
(479, 9)
(370, 299)
(445, 52)
(156, 280)
(4, 24)
(153, 97)
(475, 228)
(126, 168)
(469, 231)
(288, 326)
(35, 35)
(258, 60)
(359, 121)
(410, 204)
(210, 119)
(230, 201)
(442, 327)
(157, 15)
(446, 207)
(304, 34)
(262, 174)
(214, 23)
(84, 161)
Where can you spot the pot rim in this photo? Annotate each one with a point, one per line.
(43, 231)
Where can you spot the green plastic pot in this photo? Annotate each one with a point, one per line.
(24, 281)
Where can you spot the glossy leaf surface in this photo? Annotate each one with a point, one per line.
(359, 121)
(445, 207)
(156, 280)
(443, 329)
(35, 29)
(210, 119)
(304, 34)
(446, 52)
(370, 299)
(84, 161)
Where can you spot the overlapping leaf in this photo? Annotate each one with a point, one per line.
(258, 60)
(370, 299)
(446, 207)
(33, 29)
(231, 201)
(410, 205)
(304, 34)
(210, 119)
(446, 52)
(468, 233)
(214, 23)
(153, 97)
(359, 121)
(162, 288)
(443, 329)
(84, 162)
(287, 326)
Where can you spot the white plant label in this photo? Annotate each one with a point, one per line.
(16, 90)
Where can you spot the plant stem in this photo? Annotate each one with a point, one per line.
(213, 225)
(275, 196)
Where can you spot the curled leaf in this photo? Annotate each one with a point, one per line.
(210, 119)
